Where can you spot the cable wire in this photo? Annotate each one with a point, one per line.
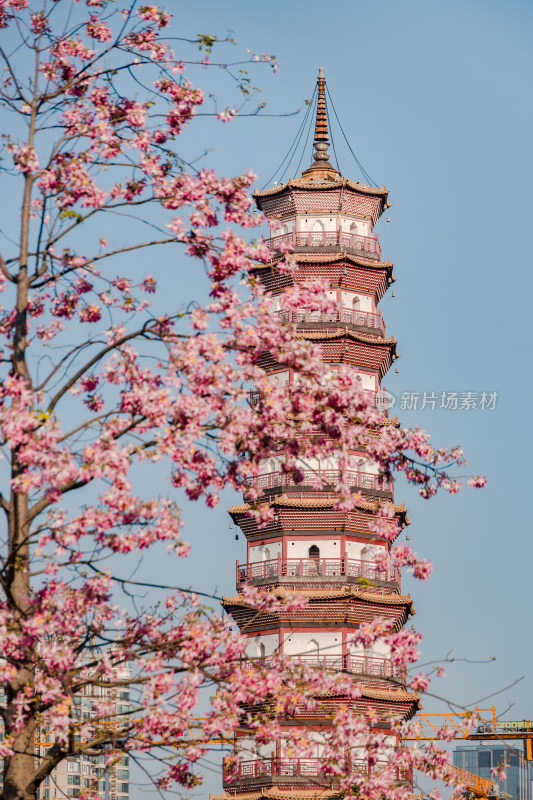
(308, 120)
(307, 138)
(364, 172)
(332, 139)
(294, 145)
(285, 157)
(307, 115)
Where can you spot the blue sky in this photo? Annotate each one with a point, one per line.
(435, 100)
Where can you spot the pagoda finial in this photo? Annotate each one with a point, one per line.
(321, 127)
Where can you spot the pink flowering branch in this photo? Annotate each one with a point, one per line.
(138, 380)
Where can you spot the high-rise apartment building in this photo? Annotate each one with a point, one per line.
(79, 773)
(481, 758)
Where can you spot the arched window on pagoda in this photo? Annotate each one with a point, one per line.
(317, 232)
(261, 652)
(313, 649)
(373, 665)
(314, 560)
(356, 308)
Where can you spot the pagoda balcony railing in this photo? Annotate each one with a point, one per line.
(341, 239)
(343, 315)
(313, 768)
(379, 400)
(328, 477)
(317, 568)
(357, 665)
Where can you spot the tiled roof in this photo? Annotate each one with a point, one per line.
(396, 695)
(277, 794)
(301, 183)
(333, 333)
(351, 590)
(323, 258)
(312, 502)
(392, 695)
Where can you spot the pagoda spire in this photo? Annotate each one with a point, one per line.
(321, 141)
(321, 169)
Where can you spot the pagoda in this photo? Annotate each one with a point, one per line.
(324, 553)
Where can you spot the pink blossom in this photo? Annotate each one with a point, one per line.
(25, 158)
(477, 481)
(166, 391)
(39, 23)
(97, 29)
(90, 313)
(149, 284)
(155, 14)
(227, 114)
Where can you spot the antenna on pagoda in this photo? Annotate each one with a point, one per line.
(321, 141)
(321, 169)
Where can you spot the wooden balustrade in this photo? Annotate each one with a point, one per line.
(313, 768)
(349, 316)
(317, 567)
(326, 477)
(338, 238)
(354, 664)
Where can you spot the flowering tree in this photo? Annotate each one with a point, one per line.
(106, 379)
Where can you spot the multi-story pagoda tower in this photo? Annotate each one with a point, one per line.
(324, 553)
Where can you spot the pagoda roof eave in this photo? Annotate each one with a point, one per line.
(346, 592)
(308, 185)
(328, 258)
(318, 502)
(337, 333)
(276, 794)
(390, 695)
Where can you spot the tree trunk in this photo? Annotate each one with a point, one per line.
(19, 769)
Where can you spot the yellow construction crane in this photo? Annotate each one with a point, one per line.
(482, 788)
(46, 734)
(428, 727)
(488, 726)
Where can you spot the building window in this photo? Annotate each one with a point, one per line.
(314, 556)
(483, 759)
